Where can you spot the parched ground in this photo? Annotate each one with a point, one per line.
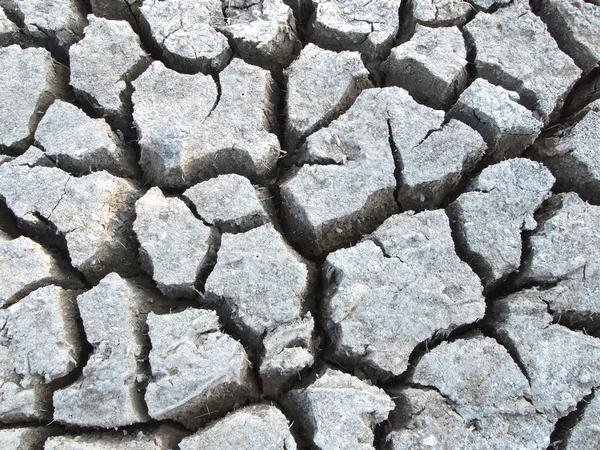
(294, 224)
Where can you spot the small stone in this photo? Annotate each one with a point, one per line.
(104, 63)
(175, 246)
(489, 218)
(374, 292)
(432, 169)
(190, 134)
(572, 152)
(438, 13)
(39, 343)
(507, 127)
(585, 434)
(339, 411)
(24, 438)
(351, 186)
(81, 144)
(514, 49)
(321, 85)
(431, 66)
(254, 427)
(229, 202)
(30, 81)
(562, 365)
(575, 25)
(184, 32)
(259, 282)
(26, 266)
(94, 214)
(368, 27)
(196, 369)
(9, 32)
(108, 392)
(481, 385)
(264, 32)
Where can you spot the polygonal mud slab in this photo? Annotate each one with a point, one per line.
(585, 434)
(165, 437)
(346, 186)
(175, 246)
(93, 213)
(562, 365)
(262, 33)
(321, 85)
(29, 81)
(374, 292)
(108, 394)
(57, 24)
(229, 202)
(358, 25)
(432, 169)
(572, 152)
(514, 49)
(9, 32)
(436, 13)
(104, 63)
(338, 410)
(575, 25)
(254, 427)
(184, 33)
(507, 127)
(24, 438)
(188, 133)
(39, 343)
(431, 66)
(486, 388)
(25, 266)
(81, 144)
(489, 218)
(259, 282)
(196, 369)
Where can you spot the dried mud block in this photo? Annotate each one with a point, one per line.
(229, 202)
(481, 382)
(374, 292)
(196, 369)
(431, 66)
(81, 144)
(575, 25)
(432, 169)
(321, 85)
(438, 13)
(259, 282)
(117, 10)
(368, 27)
(507, 127)
(572, 152)
(585, 434)
(108, 392)
(189, 134)
(58, 24)
(254, 427)
(346, 186)
(184, 32)
(263, 32)
(104, 63)
(515, 50)
(289, 349)
(39, 343)
(488, 219)
(24, 438)
(339, 411)
(9, 32)
(562, 365)
(165, 437)
(175, 246)
(30, 80)
(26, 266)
(93, 213)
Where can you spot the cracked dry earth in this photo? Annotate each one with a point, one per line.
(299, 224)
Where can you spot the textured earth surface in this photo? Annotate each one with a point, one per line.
(299, 224)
